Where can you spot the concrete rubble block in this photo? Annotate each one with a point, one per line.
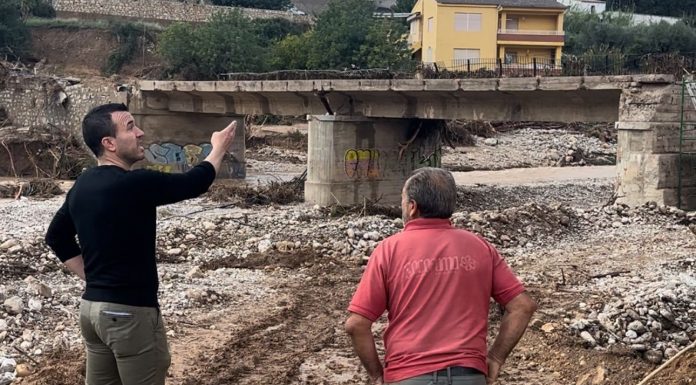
(518, 84)
(560, 83)
(13, 305)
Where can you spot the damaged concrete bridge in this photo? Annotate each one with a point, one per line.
(367, 136)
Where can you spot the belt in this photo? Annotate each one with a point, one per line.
(457, 371)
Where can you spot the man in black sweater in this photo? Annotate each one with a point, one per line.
(112, 210)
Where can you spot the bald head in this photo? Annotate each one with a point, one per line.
(433, 190)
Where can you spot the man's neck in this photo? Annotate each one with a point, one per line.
(107, 160)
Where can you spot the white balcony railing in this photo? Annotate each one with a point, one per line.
(531, 32)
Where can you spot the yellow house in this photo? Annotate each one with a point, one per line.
(483, 33)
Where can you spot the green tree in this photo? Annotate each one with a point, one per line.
(665, 38)
(262, 4)
(675, 8)
(14, 35)
(403, 6)
(345, 35)
(339, 33)
(290, 53)
(386, 45)
(228, 43)
(273, 30)
(585, 31)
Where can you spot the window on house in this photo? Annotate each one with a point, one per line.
(510, 57)
(468, 22)
(429, 55)
(464, 54)
(431, 24)
(512, 23)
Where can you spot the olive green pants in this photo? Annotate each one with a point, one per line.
(126, 345)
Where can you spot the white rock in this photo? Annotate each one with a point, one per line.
(8, 244)
(15, 249)
(190, 237)
(26, 345)
(631, 334)
(372, 236)
(3, 325)
(636, 326)
(490, 142)
(588, 337)
(13, 305)
(35, 304)
(195, 272)
(7, 378)
(350, 233)
(8, 365)
(209, 225)
(38, 287)
(174, 252)
(265, 245)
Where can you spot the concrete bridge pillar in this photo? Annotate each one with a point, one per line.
(351, 158)
(648, 146)
(175, 142)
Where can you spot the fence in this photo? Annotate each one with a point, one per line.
(569, 65)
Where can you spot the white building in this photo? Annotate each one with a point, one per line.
(591, 6)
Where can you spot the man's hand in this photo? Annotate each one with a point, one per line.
(493, 370)
(221, 141)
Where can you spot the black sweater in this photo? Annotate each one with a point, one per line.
(113, 213)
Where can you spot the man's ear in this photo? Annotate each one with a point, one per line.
(109, 143)
(413, 208)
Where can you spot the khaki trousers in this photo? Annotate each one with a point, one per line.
(126, 345)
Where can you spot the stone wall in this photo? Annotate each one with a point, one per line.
(160, 10)
(39, 101)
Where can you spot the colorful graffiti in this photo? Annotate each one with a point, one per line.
(362, 164)
(176, 156)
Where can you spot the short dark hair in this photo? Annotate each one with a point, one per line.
(98, 123)
(434, 191)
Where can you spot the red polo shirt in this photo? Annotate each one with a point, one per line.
(435, 281)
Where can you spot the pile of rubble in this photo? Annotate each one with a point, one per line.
(531, 148)
(655, 320)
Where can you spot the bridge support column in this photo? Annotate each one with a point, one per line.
(175, 142)
(648, 147)
(353, 158)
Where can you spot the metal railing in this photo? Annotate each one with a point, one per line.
(531, 32)
(569, 65)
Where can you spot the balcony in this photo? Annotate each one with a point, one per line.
(542, 36)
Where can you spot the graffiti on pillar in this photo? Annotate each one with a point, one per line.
(362, 164)
(169, 157)
(418, 158)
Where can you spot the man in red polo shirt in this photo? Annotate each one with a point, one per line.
(436, 281)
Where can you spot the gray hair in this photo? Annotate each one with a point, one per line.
(433, 190)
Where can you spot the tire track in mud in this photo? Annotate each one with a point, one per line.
(271, 350)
